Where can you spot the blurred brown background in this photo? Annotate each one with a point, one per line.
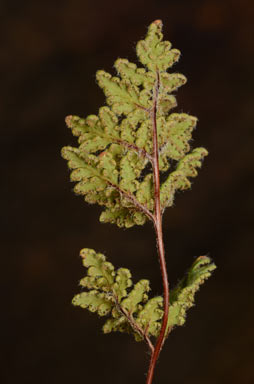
(50, 51)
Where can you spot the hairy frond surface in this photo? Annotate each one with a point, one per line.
(111, 292)
(110, 163)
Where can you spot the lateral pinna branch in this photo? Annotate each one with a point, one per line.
(111, 293)
(121, 155)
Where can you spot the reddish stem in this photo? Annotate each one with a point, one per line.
(159, 237)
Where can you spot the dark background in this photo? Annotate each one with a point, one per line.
(50, 51)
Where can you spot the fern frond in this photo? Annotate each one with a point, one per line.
(115, 147)
(149, 318)
(122, 283)
(178, 179)
(122, 153)
(111, 292)
(100, 273)
(182, 296)
(136, 297)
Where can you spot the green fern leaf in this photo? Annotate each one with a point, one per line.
(154, 53)
(171, 81)
(145, 192)
(174, 133)
(121, 155)
(137, 76)
(111, 293)
(115, 147)
(122, 96)
(178, 179)
(122, 283)
(182, 297)
(94, 301)
(100, 274)
(116, 325)
(136, 297)
(149, 318)
(120, 216)
(129, 172)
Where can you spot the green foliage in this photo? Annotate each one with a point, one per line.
(134, 140)
(110, 292)
(111, 163)
(150, 316)
(182, 296)
(178, 179)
